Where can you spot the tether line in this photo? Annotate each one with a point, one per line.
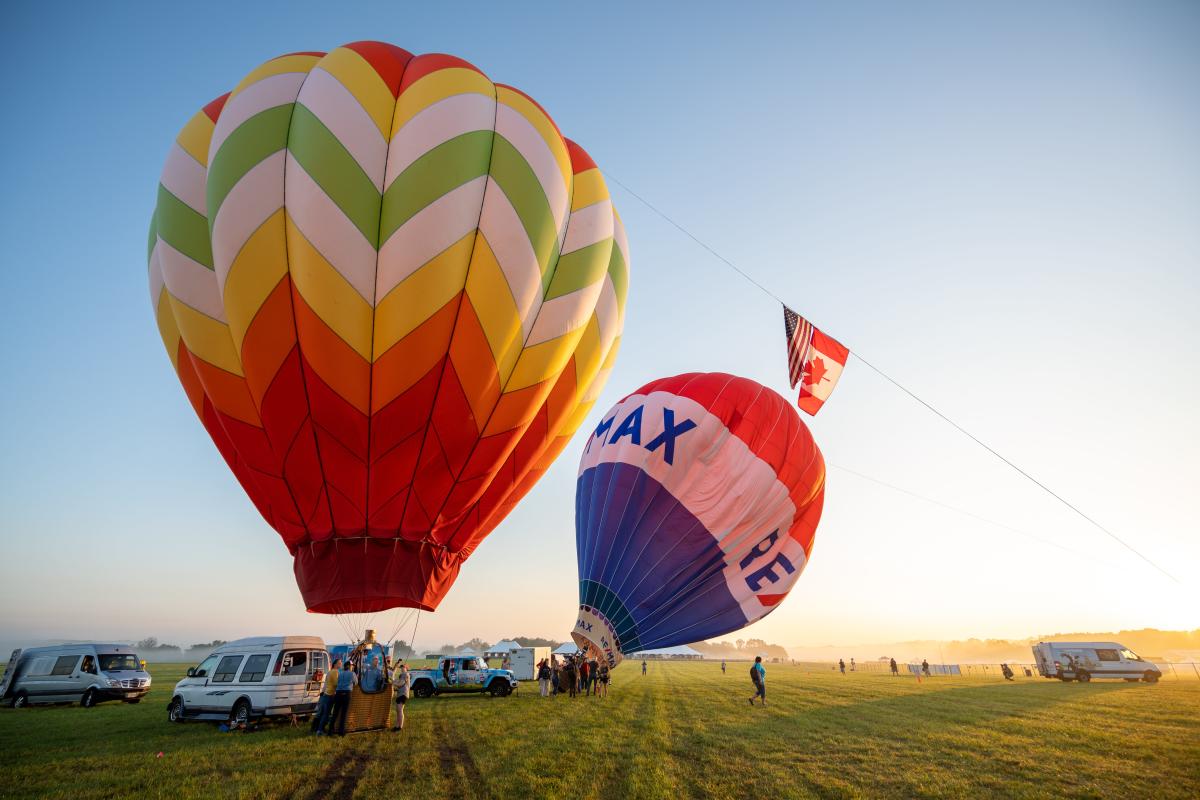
(854, 352)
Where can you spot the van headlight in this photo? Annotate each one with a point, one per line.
(114, 683)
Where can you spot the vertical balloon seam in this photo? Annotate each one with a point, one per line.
(454, 328)
(375, 309)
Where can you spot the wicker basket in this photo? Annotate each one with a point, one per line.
(368, 712)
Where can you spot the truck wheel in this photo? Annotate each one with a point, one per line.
(175, 710)
(89, 698)
(1132, 680)
(1083, 676)
(423, 689)
(1151, 676)
(241, 712)
(497, 688)
(21, 700)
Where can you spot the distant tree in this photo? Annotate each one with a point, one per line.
(475, 645)
(741, 644)
(149, 643)
(403, 649)
(535, 641)
(448, 650)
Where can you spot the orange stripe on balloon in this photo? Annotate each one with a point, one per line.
(340, 367)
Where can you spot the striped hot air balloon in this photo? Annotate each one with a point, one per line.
(696, 508)
(392, 291)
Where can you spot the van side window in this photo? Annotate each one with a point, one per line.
(293, 662)
(1108, 655)
(255, 669)
(226, 669)
(64, 665)
(89, 666)
(41, 666)
(318, 660)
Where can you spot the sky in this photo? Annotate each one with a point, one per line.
(996, 204)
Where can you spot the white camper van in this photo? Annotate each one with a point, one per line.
(87, 673)
(1082, 661)
(257, 677)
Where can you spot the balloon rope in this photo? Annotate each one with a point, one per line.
(854, 351)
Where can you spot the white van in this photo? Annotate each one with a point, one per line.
(256, 677)
(87, 673)
(1082, 661)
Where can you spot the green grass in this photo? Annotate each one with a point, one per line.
(684, 730)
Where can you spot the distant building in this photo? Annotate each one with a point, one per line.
(679, 652)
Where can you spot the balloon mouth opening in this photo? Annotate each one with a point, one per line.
(595, 635)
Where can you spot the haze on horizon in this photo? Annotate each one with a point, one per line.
(996, 204)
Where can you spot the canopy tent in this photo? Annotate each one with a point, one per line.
(502, 648)
(678, 651)
(566, 649)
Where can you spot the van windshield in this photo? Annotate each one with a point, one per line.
(116, 662)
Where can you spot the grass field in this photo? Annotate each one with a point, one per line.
(684, 730)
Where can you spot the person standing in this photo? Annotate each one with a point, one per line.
(895, 669)
(604, 680)
(555, 678)
(584, 673)
(325, 703)
(401, 683)
(925, 667)
(594, 676)
(758, 675)
(852, 664)
(722, 666)
(372, 678)
(544, 678)
(341, 699)
(842, 666)
(643, 666)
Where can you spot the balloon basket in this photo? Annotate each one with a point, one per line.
(368, 711)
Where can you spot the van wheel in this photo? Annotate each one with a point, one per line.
(89, 698)
(175, 710)
(1132, 680)
(1151, 676)
(241, 712)
(1082, 676)
(21, 700)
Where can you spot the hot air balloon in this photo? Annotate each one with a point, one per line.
(696, 506)
(392, 291)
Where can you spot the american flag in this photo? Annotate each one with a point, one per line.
(799, 340)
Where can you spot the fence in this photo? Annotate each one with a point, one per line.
(1171, 670)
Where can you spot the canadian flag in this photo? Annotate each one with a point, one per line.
(824, 365)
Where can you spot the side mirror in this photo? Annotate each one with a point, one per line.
(191, 673)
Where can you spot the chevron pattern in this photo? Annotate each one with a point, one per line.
(392, 291)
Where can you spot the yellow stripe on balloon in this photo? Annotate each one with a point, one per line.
(207, 338)
(589, 189)
(196, 135)
(361, 79)
(167, 328)
(278, 66)
(327, 293)
(436, 86)
(493, 303)
(422, 293)
(526, 108)
(256, 271)
(541, 362)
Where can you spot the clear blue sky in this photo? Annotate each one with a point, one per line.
(997, 203)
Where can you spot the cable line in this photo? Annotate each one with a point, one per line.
(610, 177)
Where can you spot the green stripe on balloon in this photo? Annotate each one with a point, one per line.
(330, 164)
(262, 135)
(436, 173)
(513, 174)
(182, 227)
(580, 268)
(619, 273)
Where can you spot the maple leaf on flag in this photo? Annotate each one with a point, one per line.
(814, 372)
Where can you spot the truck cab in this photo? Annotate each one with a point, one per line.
(462, 674)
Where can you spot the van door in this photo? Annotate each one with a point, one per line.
(63, 681)
(290, 675)
(193, 688)
(1108, 662)
(470, 675)
(251, 681)
(221, 693)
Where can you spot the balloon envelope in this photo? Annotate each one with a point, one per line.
(391, 290)
(696, 506)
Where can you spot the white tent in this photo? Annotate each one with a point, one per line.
(500, 648)
(679, 651)
(566, 649)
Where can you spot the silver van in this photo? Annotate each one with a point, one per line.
(87, 673)
(262, 676)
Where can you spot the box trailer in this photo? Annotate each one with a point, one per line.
(523, 661)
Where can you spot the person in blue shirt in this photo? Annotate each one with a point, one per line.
(759, 676)
(341, 699)
(372, 677)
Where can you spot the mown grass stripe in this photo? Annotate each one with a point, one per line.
(579, 268)
(182, 227)
(330, 164)
(436, 173)
(255, 139)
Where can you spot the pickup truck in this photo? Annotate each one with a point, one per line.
(458, 674)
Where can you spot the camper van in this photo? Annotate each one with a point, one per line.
(1082, 661)
(250, 678)
(87, 673)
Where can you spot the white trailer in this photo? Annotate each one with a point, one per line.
(523, 661)
(1082, 661)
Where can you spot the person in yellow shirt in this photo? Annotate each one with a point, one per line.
(325, 703)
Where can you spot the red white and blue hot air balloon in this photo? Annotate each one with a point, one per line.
(696, 507)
